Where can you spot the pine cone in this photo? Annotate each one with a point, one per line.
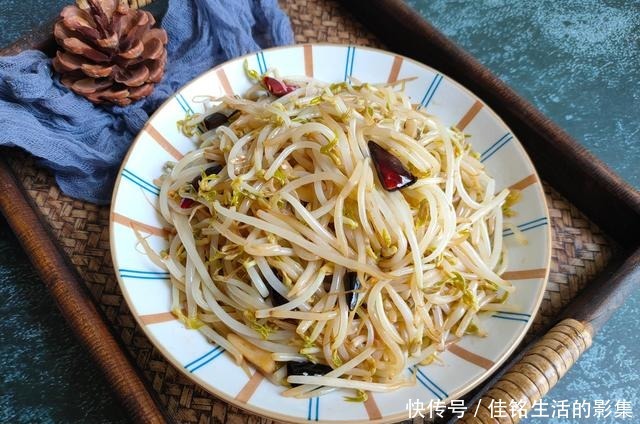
(109, 52)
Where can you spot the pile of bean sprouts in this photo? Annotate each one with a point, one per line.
(296, 205)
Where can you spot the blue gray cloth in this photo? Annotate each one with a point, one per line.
(84, 144)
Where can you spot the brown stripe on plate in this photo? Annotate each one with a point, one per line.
(136, 225)
(222, 77)
(524, 183)
(163, 142)
(524, 274)
(395, 69)
(157, 318)
(468, 117)
(372, 407)
(468, 356)
(250, 388)
(308, 60)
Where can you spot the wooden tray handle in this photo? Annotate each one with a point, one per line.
(530, 374)
(531, 378)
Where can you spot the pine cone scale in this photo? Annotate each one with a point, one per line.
(136, 32)
(107, 7)
(73, 12)
(156, 33)
(156, 68)
(135, 51)
(68, 61)
(89, 85)
(61, 32)
(139, 92)
(108, 43)
(100, 17)
(133, 77)
(96, 71)
(153, 49)
(78, 24)
(74, 45)
(109, 52)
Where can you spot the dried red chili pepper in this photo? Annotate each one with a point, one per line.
(391, 172)
(210, 170)
(186, 203)
(276, 87)
(215, 120)
(352, 286)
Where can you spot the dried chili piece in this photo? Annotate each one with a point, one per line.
(307, 369)
(352, 286)
(276, 87)
(186, 203)
(217, 119)
(391, 172)
(210, 170)
(214, 120)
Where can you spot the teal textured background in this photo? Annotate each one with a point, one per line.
(45, 376)
(578, 61)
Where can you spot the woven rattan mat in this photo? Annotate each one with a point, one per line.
(580, 249)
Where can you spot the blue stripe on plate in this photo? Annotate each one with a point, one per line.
(140, 182)
(510, 318)
(186, 107)
(204, 359)
(426, 94)
(495, 144)
(502, 141)
(348, 66)
(434, 91)
(145, 277)
(429, 384)
(182, 105)
(135, 177)
(535, 226)
(513, 313)
(264, 62)
(353, 59)
(260, 68)
(207, 361)
(431, 91)
(538, 222)
(311, 410)
(532, 222)
(428, 387)
(346, 63)
(183, 102)
(135, 271)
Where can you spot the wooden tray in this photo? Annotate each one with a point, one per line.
(595, 222)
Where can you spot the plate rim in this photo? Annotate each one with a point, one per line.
(288, 418)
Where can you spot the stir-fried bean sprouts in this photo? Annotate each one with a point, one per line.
(288, 248)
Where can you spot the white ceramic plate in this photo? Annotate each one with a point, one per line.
(147, 289)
